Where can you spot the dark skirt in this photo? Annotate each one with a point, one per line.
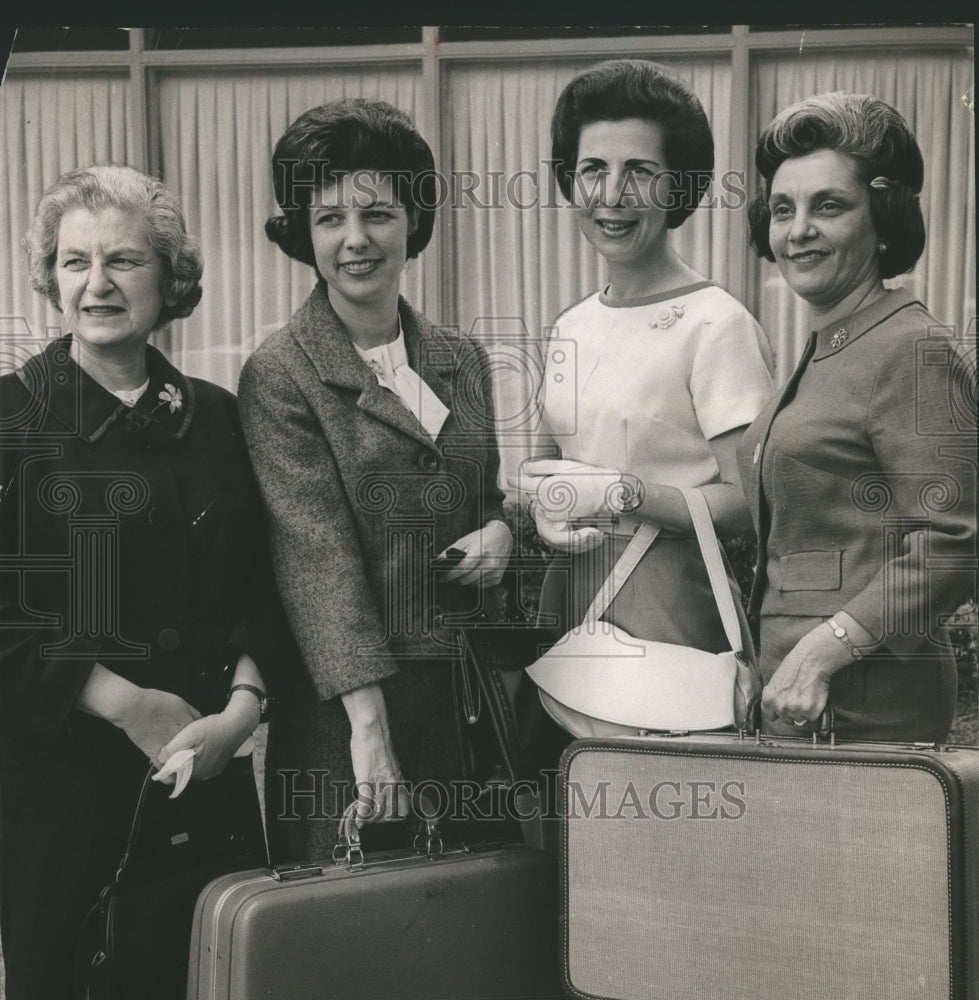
(308, 774)
(67, 813)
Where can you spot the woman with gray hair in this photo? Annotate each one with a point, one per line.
(861, 472)
(131, 622)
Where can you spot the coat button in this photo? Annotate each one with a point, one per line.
(428, 462)
(757, 454)
(159, 517)
(168, 639)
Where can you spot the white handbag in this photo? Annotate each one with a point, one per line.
(598, 680)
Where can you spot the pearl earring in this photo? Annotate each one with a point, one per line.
(882, 248)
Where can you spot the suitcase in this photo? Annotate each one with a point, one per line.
(479, 922)
(763, 868)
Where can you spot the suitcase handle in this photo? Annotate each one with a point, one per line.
(428, 840)
(825, 724)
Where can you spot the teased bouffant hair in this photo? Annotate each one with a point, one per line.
(885, 151)
(342, 137)
(97, 188)
(636, 88)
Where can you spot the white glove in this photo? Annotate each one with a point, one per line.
(566, 490)
(178, 768)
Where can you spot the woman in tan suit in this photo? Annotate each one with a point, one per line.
(861, 472)
(372, 436)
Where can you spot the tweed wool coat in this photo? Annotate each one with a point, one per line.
(360, 500)
(861, 477)
(359, 494)
(133, 538)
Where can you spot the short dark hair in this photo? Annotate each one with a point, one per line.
(339, 138)
(884, 150)
(637, 88)
(103, 186)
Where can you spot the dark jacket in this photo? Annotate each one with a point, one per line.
(133, 538)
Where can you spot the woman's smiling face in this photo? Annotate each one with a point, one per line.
(821, 230)
(359, 230)
(622, 189)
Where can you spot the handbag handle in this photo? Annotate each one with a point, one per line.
(144, 793)
(709, 549)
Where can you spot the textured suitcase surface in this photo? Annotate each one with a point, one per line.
(712, 867)
(480, 924)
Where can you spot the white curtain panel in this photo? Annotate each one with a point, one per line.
(933, 91)
(49, 124)
(217, 132)
(515, 256)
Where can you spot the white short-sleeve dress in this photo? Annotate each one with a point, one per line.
(654, 379)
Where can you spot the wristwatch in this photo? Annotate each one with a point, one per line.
(264, 701)
(632, 495)
(840, 632)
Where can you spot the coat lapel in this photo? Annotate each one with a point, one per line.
(431, 353)
(83, 407)
(320, 334)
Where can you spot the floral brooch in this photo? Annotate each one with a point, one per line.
(170, 396)
(666, 317)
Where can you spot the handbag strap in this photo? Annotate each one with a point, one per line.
(146, 789)
(621, 571)
(710, 549)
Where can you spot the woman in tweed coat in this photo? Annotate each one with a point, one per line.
(371, 433)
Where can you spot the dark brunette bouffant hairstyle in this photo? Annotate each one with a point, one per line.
(101, 187)
(343, 137)
(885, 152)
(636, 88)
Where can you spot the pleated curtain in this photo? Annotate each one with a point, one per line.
(506, 247)
(49, 123)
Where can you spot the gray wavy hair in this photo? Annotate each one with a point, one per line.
(97, 188)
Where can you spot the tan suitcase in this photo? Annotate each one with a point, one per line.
(707, 867)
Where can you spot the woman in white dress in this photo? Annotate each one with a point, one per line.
(669, 369)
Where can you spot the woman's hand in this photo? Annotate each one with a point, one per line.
(382, 794)
(562, 536)
(799, 688)
(215, 739)
(565, 490)
(487, 554)
(153, 718)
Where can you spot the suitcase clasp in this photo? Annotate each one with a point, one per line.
(290, 873)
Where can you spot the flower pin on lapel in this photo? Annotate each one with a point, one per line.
(170, 395)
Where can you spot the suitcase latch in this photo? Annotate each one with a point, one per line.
(291, 873)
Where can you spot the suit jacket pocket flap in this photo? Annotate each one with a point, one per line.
(810, 571)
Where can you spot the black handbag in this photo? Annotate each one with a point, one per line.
(135, 940)
(496, 706)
